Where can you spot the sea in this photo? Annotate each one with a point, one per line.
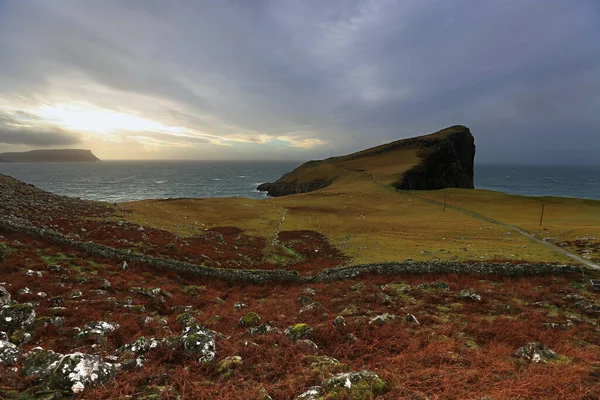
(121, 181)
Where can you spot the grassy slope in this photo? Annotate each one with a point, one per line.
(369, 223)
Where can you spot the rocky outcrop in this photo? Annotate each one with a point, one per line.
(443, 159)
(447, 161)
(62, 155)
(281, 188)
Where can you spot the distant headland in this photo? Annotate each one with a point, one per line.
(56, 155)
(443, 159)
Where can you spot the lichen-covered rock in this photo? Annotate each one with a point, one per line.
(9, 353)
(97, 328)
(250, 319)
(299, 331)
(383, 319)
(314, 393)
(227, 366)
(77, 371)
(156, 294)
(5, 297)
(240, 306)
(261, 329)
(468, 294)
(536, 352)
(17, 316)
(200, 342)
(140, 346)
(38, 361)
(362, 385)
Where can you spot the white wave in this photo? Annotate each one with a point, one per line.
(159, 182)
(216, 179)
(241, 176)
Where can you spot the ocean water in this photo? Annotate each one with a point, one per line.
(118, 181)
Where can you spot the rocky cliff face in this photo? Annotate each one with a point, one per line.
(447, 161)
(435, 161)
(62, 155)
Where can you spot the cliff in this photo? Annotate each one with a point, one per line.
(435, 161)
(63, 155)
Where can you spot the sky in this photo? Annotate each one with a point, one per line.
(300, 79)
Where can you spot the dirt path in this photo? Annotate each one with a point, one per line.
(482, 217)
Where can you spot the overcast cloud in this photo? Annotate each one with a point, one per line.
(223, 79)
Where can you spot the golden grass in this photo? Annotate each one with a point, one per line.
(369, 223)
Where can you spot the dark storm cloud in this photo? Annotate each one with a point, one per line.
(36, 137)
(22, 128)
(522, 74)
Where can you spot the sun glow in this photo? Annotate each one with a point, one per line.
(97, 120)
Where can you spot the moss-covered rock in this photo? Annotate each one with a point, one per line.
(299, 331)
(17, 317)
(324, 365)
(193, 290)
(21, 337)
(227, 366)
(363, 385)
(250, 319)
(536, 352)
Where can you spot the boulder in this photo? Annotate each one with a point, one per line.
(383, 319)
(362, 385)
(5, 297)
(97, 328)
(17, 317)
(200, 342)
(77, 371)
(299, 331)
(261, 329)
(250, 319)
(71, 372)
(536, 352)
(9, 353)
